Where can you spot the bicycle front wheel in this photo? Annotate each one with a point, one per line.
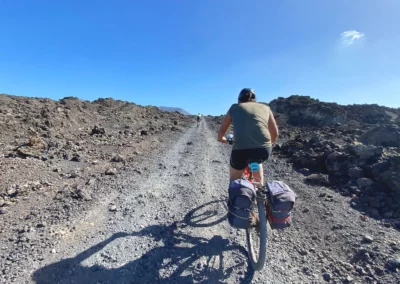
(256, 236)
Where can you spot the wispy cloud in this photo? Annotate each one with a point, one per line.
(349, 37)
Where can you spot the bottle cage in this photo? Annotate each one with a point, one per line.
(254, 167)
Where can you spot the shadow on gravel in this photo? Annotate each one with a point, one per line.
(204, 217)
(181, 259)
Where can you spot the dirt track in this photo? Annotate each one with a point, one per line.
(168, 226)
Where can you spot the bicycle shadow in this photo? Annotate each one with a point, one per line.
(203, 261)
(197, 216)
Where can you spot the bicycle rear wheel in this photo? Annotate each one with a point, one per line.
(256, 236)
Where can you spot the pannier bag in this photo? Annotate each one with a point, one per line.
(281, 199)
(241, 197)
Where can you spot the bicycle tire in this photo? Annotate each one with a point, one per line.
(257, 263)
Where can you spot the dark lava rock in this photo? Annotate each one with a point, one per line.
(327, 276)
(394, 262)
(76, 158)
(82, 193)
(366, 154)
(98, 130)
(317, 179)
(356, 173)
(113, 208)
(388, 173)
(364, 182)
(337, 162)
(118, 158)
(12, 192)
(388, 135)
(367, 239)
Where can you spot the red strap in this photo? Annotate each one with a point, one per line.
(278, 220)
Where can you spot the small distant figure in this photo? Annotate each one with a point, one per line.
(198, 119)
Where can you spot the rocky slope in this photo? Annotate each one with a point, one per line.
(354, 149)
(52, 151)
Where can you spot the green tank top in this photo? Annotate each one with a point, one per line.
(250, 125)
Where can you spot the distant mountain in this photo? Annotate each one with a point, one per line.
(174, 109)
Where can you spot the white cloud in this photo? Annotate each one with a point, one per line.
(348, 37)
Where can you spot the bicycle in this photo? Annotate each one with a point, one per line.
(256, 234)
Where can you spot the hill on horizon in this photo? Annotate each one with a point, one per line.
(173, 109)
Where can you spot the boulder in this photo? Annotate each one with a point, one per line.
(388, 173)
(364, 182)
(337, 162)
(388, 135)
(291, 147)
(309, 160)
(98, 130)
(117, 158)
(356, 173)
(317, 179)
(365, 154)
(36, 143)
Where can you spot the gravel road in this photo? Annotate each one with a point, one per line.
(167, 225)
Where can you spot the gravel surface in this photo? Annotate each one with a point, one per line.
(162, 220)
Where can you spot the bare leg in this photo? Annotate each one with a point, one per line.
(259, 176)
(235, 174)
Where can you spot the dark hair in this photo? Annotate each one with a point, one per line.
(247, 95)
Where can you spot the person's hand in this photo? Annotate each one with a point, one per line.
(223, 140)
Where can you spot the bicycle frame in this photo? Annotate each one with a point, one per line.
(260, 202)
(249, 171)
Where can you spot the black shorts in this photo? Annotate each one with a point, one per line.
(240, 158)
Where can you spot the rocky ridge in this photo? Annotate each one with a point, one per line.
(354, 149)
(306, 111)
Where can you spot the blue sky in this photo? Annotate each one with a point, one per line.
(198, 54)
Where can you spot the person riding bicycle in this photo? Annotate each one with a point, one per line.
(254, 129)
(198, 118)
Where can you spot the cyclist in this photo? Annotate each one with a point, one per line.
(254, 130)
(198, 118)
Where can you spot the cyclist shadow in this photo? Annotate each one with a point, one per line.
(181, 259)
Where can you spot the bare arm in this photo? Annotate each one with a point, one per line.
(224, 127)
(272, 127)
